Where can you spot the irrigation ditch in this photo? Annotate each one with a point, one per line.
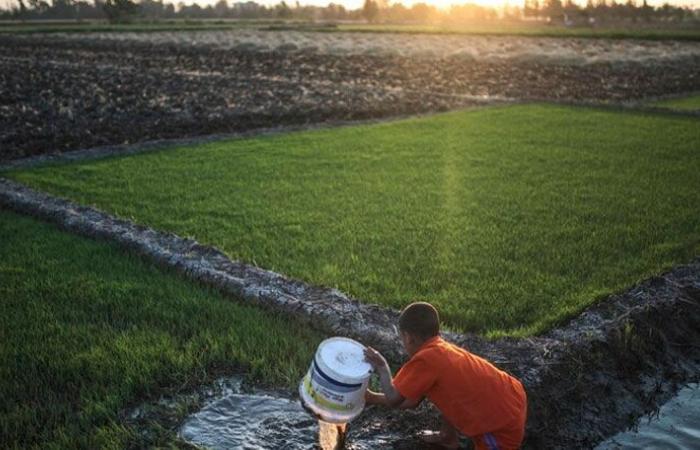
(593, 376)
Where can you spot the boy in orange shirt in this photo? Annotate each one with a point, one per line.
(474, 397)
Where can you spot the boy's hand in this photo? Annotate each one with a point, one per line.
(381, 367)
(375, 359)
(374, 398)
(390, 396)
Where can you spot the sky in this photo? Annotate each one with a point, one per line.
(353, 4)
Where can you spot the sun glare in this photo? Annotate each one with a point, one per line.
(445, 4)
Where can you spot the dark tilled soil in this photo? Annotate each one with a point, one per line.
(58, 95)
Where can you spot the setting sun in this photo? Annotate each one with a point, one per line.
(445, 4)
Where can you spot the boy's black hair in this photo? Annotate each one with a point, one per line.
(420, 319)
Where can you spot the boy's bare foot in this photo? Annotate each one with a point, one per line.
(439, 439)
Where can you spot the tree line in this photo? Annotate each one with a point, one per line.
(378, 11)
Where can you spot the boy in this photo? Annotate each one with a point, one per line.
(474, 397)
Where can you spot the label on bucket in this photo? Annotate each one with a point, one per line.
(326, 398)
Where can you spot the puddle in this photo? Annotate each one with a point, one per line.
(268, 421)
(251, 421)
(677, 426)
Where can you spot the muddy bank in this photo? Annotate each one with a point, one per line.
(586, 380)
(64, 94)
(621, 359)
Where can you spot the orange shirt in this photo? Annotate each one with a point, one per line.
(474, 396)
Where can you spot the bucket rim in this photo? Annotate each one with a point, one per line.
(339, 377)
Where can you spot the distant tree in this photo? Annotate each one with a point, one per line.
(120, 10)
(422, 12)
(553, 9)
(152, 9)
(333, 12)
(221, 8)
(370, 10)
(601, 9)
(62, 8)
(38, 6)
(594, 12)
(512, 12)
(531, 8)
(397, 12)
(571, 10)
(631, 10)
(22, 9)
(282, 10)
(647, 12)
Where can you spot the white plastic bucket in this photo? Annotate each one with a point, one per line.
(335, 385)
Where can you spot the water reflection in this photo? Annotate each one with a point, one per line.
(251, 422)
(676, 427)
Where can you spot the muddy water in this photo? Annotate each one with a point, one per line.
(268, 421)
(331, 436)
(677, 426)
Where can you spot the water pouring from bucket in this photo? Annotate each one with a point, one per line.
(333, 389)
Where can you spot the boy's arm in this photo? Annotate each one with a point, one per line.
(390, 397)
(377, 398)
(410, 404)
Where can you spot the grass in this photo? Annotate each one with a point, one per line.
(86, 330)
(138, 26)
(496, 29)
(517, 29)
(509, 219)
(688, 103)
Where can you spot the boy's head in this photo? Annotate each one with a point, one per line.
(418, 322)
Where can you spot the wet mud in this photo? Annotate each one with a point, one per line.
(586, 380)
(61, 94)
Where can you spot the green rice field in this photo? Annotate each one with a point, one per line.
(509, 219)
(688, 103)
(87, 330)
(524, 29)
